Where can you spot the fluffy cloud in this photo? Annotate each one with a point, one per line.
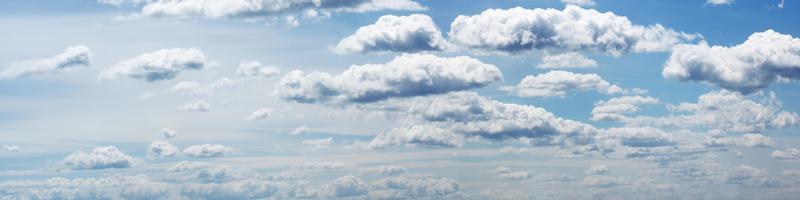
(114, 187)
(385, 170)
(787, 154)
(161, 149)
(196, 105)
(71, 58)
(572, 29)
(765, 57)
(249, 68)
(99, 158)
(407, 75)
(262, 8)
(409, 187)
(746, 140)
(719, 2)
(195, 88)
(558, 83)
(566, 60)
(411, 33)
(300, 130)
(638, 136)
(429, 136)
(11, 148)
(260, 114)
(587, 3)
(726, 111)
(160, 65)
(346, 186)
(506, 173)
(469, 115)
(168, 133)
(207, 150)
(614, 109)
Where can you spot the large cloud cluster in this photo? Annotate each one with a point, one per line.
(764, 58)
(411, 33)
(558, 83)
(74, 56)
(160, 65)
(407, 75)
(99, 158)
(572, 29)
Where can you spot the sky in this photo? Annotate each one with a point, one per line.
(399, 99)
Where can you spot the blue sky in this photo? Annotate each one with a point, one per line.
(399, 99)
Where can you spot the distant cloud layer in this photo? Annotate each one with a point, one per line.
(410, 34)
(160, 65)
(764, 58)
(406, 75)
(73, 57)
(101, 157)
(518, 30)
(207, 150)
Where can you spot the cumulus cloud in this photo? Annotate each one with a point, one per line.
(73, 57)
(566, 60)
(468, 114)
(113, 187)
(765, 57)
(428, 136)
(11, 148)
(406, 75)
(614, 109)
(161, 149)
(506, 173)
(196, 106)
(518, 30)
(207, 150)
(101, 157)
(558, 83)
(719, 2)
(300, 130)
(168, 133)
(638, 136)
(787, 154)
(410, 187)
(260, 114)
(746, 140)
(346, 186)
(413, 33)
(249, 68)
(195, 88)
(384, 170)
(160, 65)
(259, 9)
(726, 111)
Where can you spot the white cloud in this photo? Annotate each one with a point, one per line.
(196, 105)
(99, 158)
(300, 130)
(168, 133)
(638, 136)
(11, 148)
(719, 2)
(195, 88)
(409, 187)
(384, 170)
(572, 29)
(583, 3)
(260, 114)
(597, 170)
(558, 83)
(750, 177)
(406, 75)
(160, 65)
(321, 165)
(161, 149)
(746, 140)
(318, 143)
(207, 150)
(250, 9)
(726, 111)
(72, 57)
(765, 57)
(249, 68)
(413, 33)
(346, 186)
(614, 109)
(428, 136)
(113, 187)
(566, 60)
(787, 154)
(505, 172)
